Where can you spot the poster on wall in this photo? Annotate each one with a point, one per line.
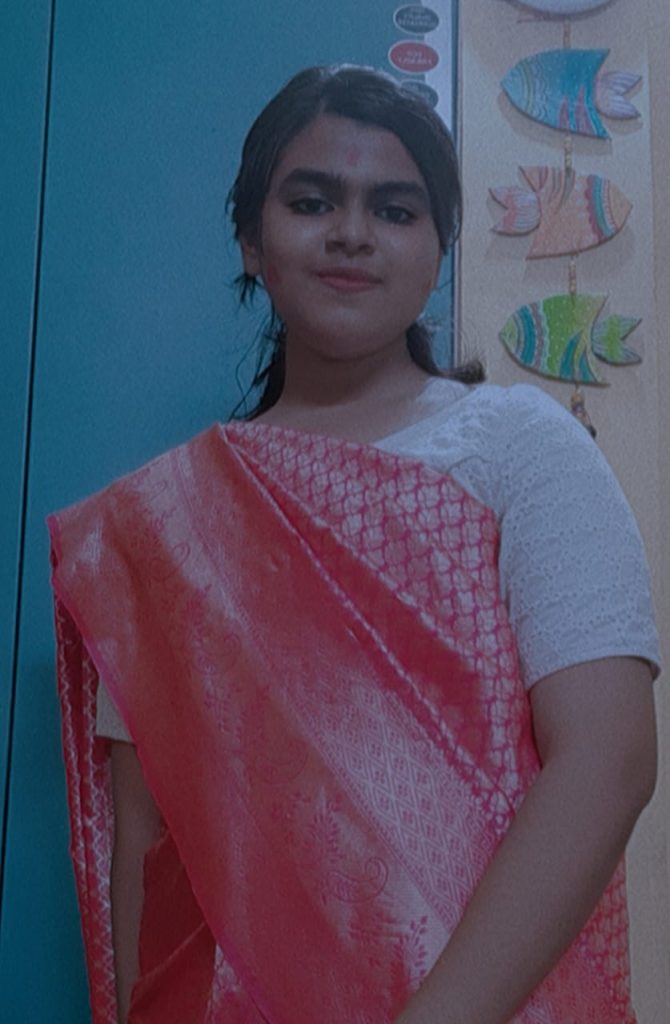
(424, 55)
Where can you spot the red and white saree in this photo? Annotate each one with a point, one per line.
(306, 642)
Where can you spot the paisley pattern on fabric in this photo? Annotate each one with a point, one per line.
(330, 718)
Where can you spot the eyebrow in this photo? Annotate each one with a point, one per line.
(335, 183)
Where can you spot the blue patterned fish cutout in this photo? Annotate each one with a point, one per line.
(562, 8)
(562, 336)
(566, 89)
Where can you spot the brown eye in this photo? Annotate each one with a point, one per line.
(396, 214)
(310, 205)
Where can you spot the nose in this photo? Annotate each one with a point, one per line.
(352, 229)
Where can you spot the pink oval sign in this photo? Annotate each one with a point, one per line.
(413, 58)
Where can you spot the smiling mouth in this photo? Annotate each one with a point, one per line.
(345, 279)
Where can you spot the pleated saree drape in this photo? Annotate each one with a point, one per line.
(306, 642)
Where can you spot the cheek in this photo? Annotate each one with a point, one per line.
(352, 156)
(272, 276)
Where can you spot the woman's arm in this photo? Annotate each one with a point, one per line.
(595, 731)
(136, 829)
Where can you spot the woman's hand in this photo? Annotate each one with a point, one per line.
(136, 829)
(595, 732)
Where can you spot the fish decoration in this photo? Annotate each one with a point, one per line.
(566, 89)
(564, 336)
(561, 8)
(568, 212)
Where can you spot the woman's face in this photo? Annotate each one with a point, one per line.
(348, 250)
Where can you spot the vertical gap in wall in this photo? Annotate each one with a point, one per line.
(37, 270)
(455, 70)
(457, 353)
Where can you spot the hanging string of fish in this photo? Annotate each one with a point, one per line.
(566, 336)
(561, 8)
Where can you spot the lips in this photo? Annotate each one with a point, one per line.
(348, 278)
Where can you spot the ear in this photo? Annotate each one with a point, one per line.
(251, 257)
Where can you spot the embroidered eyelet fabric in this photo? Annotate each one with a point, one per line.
(573, 571)
(335, 768)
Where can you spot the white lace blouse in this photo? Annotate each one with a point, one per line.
(573, 572)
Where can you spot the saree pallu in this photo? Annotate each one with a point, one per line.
(306, 642)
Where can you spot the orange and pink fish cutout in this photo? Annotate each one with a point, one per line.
(567, 212)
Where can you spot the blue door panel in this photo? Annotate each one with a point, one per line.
(139, 342)
(24, 44)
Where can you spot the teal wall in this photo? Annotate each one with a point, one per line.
(121, 337)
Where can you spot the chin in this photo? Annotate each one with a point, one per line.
(346, 351)
(343, 344)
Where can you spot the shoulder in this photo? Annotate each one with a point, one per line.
(529, 442)
(541, 462)
(562, 513)
(511, 412)
(498, 440)
(148, 479)
(490, 417)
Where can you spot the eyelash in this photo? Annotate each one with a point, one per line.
(305, 206)
(311, 206)
(400, 214)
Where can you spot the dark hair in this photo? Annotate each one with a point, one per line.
(373, 98)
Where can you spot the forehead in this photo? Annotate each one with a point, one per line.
(348, 148)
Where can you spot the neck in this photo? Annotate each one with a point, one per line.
(313, 381)
(361, 399)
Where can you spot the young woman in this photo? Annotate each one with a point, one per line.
(377, 682)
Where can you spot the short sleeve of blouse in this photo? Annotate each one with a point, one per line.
(573, 569)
